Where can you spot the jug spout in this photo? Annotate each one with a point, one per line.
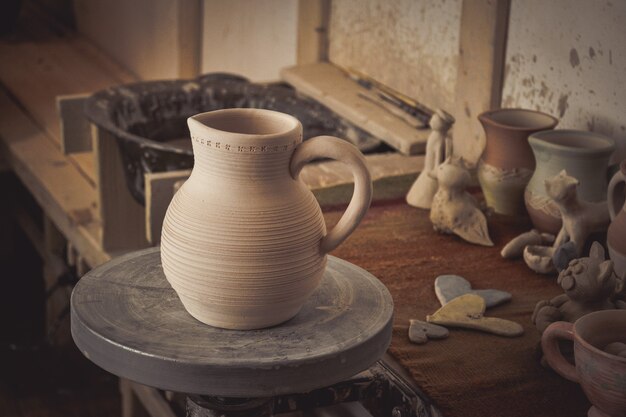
(245, 144)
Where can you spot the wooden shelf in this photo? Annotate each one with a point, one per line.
(332, 87)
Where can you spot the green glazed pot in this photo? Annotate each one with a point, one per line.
(584, 155)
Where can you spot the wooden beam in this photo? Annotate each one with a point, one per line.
(313, 18)
(484, 26)
(121, 217)
(75, 129)
(53, 180)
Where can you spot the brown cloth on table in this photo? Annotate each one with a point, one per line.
(471, 373)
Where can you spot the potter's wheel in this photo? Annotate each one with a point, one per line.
(129, 321)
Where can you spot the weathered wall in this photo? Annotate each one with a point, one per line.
(410, 45)
(568, 58)
(252, 38)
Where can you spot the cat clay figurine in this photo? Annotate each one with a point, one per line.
(453, 209)
(589, 284)
(580, 219)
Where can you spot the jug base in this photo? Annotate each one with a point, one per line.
(242, 317)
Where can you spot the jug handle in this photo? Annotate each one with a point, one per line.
(620, 176)
(550, 347)
(343, 151)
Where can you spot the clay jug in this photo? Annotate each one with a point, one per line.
(616, 235)
(584, 155)
(507, 162)
(244, 242)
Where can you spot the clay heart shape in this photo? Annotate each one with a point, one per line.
(449, 287)
(467, 311)
(421, 331)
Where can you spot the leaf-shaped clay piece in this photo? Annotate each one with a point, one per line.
(468, 311)
(449, 287)
(421, 331)
(474, 228)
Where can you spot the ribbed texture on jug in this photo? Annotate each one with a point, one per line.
(243, 267)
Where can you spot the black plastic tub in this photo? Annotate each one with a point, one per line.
(149, 119)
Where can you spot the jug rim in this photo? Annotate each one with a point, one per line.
(486, 117)
(599, 144)
(262, 124)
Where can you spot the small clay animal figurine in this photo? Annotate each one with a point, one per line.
(515, 248)
(454, 210)
(589, 284)
(438, 147)
(580, 219)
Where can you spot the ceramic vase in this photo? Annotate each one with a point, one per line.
(616, 235)
(244, 242)
(583, 155)
(599, 373)
(507, 162)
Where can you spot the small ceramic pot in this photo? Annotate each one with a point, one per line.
(616, 235)
(600, 374)
(507, 162)
(584, 155)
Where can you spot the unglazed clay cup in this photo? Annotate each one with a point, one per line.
(507, 163)
(244, 242)
(601, 375)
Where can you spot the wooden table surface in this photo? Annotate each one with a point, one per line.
(470, 373)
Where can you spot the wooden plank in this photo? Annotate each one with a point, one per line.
(84, 162)
(75, 129)
(46, 63)
(159, 193)
(131, 406)
(152, 400)
(332, 87)
(313, 17)
(484, 25)
(121, 217)
(55, 183)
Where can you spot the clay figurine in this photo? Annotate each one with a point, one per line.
(468, 311)
(580, 219)
(420, 332)
(438, 147)
(454, 210)
(515, 248)
(589, 284)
